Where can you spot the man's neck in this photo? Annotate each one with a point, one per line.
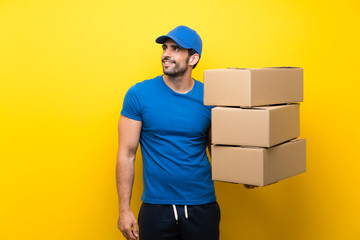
(181, 84)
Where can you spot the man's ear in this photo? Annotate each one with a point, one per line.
(194, 59)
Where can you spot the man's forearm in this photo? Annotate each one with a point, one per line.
(209, 141)
(125, 181)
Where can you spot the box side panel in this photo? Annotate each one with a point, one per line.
(226, 87)
(276, 86)
(237, 165)
(236, 126)
(284, 123)
(285, 160)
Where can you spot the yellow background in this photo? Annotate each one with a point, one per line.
(65, 66)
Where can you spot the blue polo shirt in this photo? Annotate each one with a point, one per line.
(173, 142)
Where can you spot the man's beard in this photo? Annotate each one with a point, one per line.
(176, 70)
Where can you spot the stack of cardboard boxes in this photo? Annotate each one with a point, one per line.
(255, 124)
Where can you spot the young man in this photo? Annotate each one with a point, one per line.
(167, 116)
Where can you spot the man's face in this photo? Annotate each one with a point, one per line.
(174, 59)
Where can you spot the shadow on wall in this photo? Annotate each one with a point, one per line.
(275, 212)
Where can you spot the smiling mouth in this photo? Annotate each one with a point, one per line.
(168, 62)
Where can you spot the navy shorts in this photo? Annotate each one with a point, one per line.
(170, 222)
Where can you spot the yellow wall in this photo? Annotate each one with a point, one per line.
(65, 66)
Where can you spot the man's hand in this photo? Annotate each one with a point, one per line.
(128, 225)
(247, 186)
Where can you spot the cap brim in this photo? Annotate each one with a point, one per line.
(163, 39)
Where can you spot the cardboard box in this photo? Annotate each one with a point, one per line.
(247, 87)
(258, 126)
(258, 166)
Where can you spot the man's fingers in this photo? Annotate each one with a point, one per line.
(131, 232)
(249, 186)
(128, 226)
(135, 230)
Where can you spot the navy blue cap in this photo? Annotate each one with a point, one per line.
(185, 37)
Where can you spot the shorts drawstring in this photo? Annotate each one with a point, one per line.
(186, 213)
(176, 214)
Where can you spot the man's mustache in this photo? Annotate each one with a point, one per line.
(168, 59)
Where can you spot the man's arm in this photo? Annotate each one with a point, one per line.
(209, 140)
(129, 135)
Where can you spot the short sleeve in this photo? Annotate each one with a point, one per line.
(131, 106)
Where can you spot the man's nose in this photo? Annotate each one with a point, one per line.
(167, 53)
